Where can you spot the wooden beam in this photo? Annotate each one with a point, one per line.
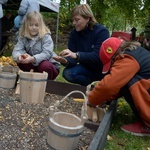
(62, 88)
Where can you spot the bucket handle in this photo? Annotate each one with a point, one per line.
(84, 116)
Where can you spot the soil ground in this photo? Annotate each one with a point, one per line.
(25, 126)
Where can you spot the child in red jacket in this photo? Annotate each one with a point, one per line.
(128, 65)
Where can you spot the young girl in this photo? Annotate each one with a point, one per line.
(34, 49)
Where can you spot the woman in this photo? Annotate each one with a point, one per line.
(34, 49)
(81, 59)
(128, 65)
(27, 6)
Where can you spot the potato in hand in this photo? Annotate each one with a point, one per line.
(24, 56)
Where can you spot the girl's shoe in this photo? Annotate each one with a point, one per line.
(137, 129)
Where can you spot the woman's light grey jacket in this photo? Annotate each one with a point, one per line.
(40, 49)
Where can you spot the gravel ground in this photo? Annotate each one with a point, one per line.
(24, 126)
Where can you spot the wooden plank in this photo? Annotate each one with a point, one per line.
(92, 125)
(61, 88)
(99, 140)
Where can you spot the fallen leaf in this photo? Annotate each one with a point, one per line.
(109, 137)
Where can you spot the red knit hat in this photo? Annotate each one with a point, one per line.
(107, 51)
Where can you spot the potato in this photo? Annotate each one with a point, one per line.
(25, 56)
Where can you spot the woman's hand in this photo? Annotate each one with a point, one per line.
(68, 53)
(63, 54)
(60, 59)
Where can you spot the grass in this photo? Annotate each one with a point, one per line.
(121, 140)
(59, 77)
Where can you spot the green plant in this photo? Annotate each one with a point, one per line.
(60, 77)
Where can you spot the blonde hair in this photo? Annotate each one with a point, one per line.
(126, 45)
(85, 11)
(24, 30)
(130, 45)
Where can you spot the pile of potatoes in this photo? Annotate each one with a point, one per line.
(5, 61)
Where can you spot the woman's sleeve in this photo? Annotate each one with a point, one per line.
(71, 42)
(3, 1)
(23, 7)
(93, 56)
